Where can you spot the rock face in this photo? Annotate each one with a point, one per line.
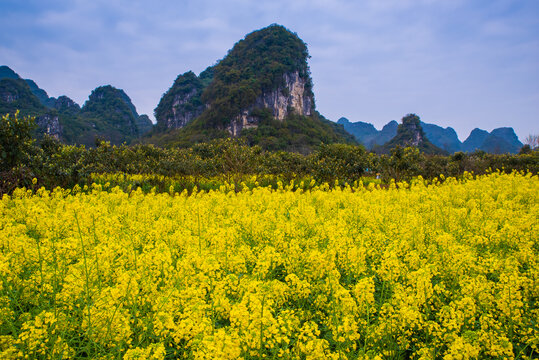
(292, 97)
(50, 125)
(181, 118)
(411, 124)
(263, 78)
(181, 103)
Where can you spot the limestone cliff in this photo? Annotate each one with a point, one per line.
(181, 103)
(16, 95)
(292, 97)
(49, 124)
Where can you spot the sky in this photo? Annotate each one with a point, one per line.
(458, 63)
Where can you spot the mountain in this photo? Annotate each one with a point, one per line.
(367, 134)
(41, 94)
(7, 73)
(181, 103)
(475, 140)
(388, 132)
(362, 131)
(410, 133)
(261, 91)
(108, 114)
(144, 124)
(15, 94)
(444, 138)
(499, 141)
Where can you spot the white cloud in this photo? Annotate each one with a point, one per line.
(372, 60)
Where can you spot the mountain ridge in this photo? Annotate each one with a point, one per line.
(499, 140)
(108, 114)
(261, 91)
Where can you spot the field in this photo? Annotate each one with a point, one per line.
(445, 270)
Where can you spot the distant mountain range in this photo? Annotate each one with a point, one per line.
(260, 91)
(500, 140)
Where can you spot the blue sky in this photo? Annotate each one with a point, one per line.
(457, 63)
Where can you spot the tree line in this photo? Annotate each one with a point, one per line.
(53, 163)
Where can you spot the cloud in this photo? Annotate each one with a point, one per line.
(460, 63)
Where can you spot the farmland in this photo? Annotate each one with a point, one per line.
(445, 269)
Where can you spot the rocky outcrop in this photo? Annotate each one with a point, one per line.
(182, 113)
(48, 124)
(292, 97)
(181, 104)
(410, 133)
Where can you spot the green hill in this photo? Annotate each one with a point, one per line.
(261, 91)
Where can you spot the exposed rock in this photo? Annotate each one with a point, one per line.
(180, 118)
(48, 124)
(292, 97)
(181, 103)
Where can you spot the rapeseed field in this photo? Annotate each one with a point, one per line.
(444, 270)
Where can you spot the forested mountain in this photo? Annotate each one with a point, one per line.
(260, 91)
(15, 94)
(108, 114)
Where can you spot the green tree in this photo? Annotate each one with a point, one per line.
(15, 140)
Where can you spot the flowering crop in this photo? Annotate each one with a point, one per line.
(421, 271)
